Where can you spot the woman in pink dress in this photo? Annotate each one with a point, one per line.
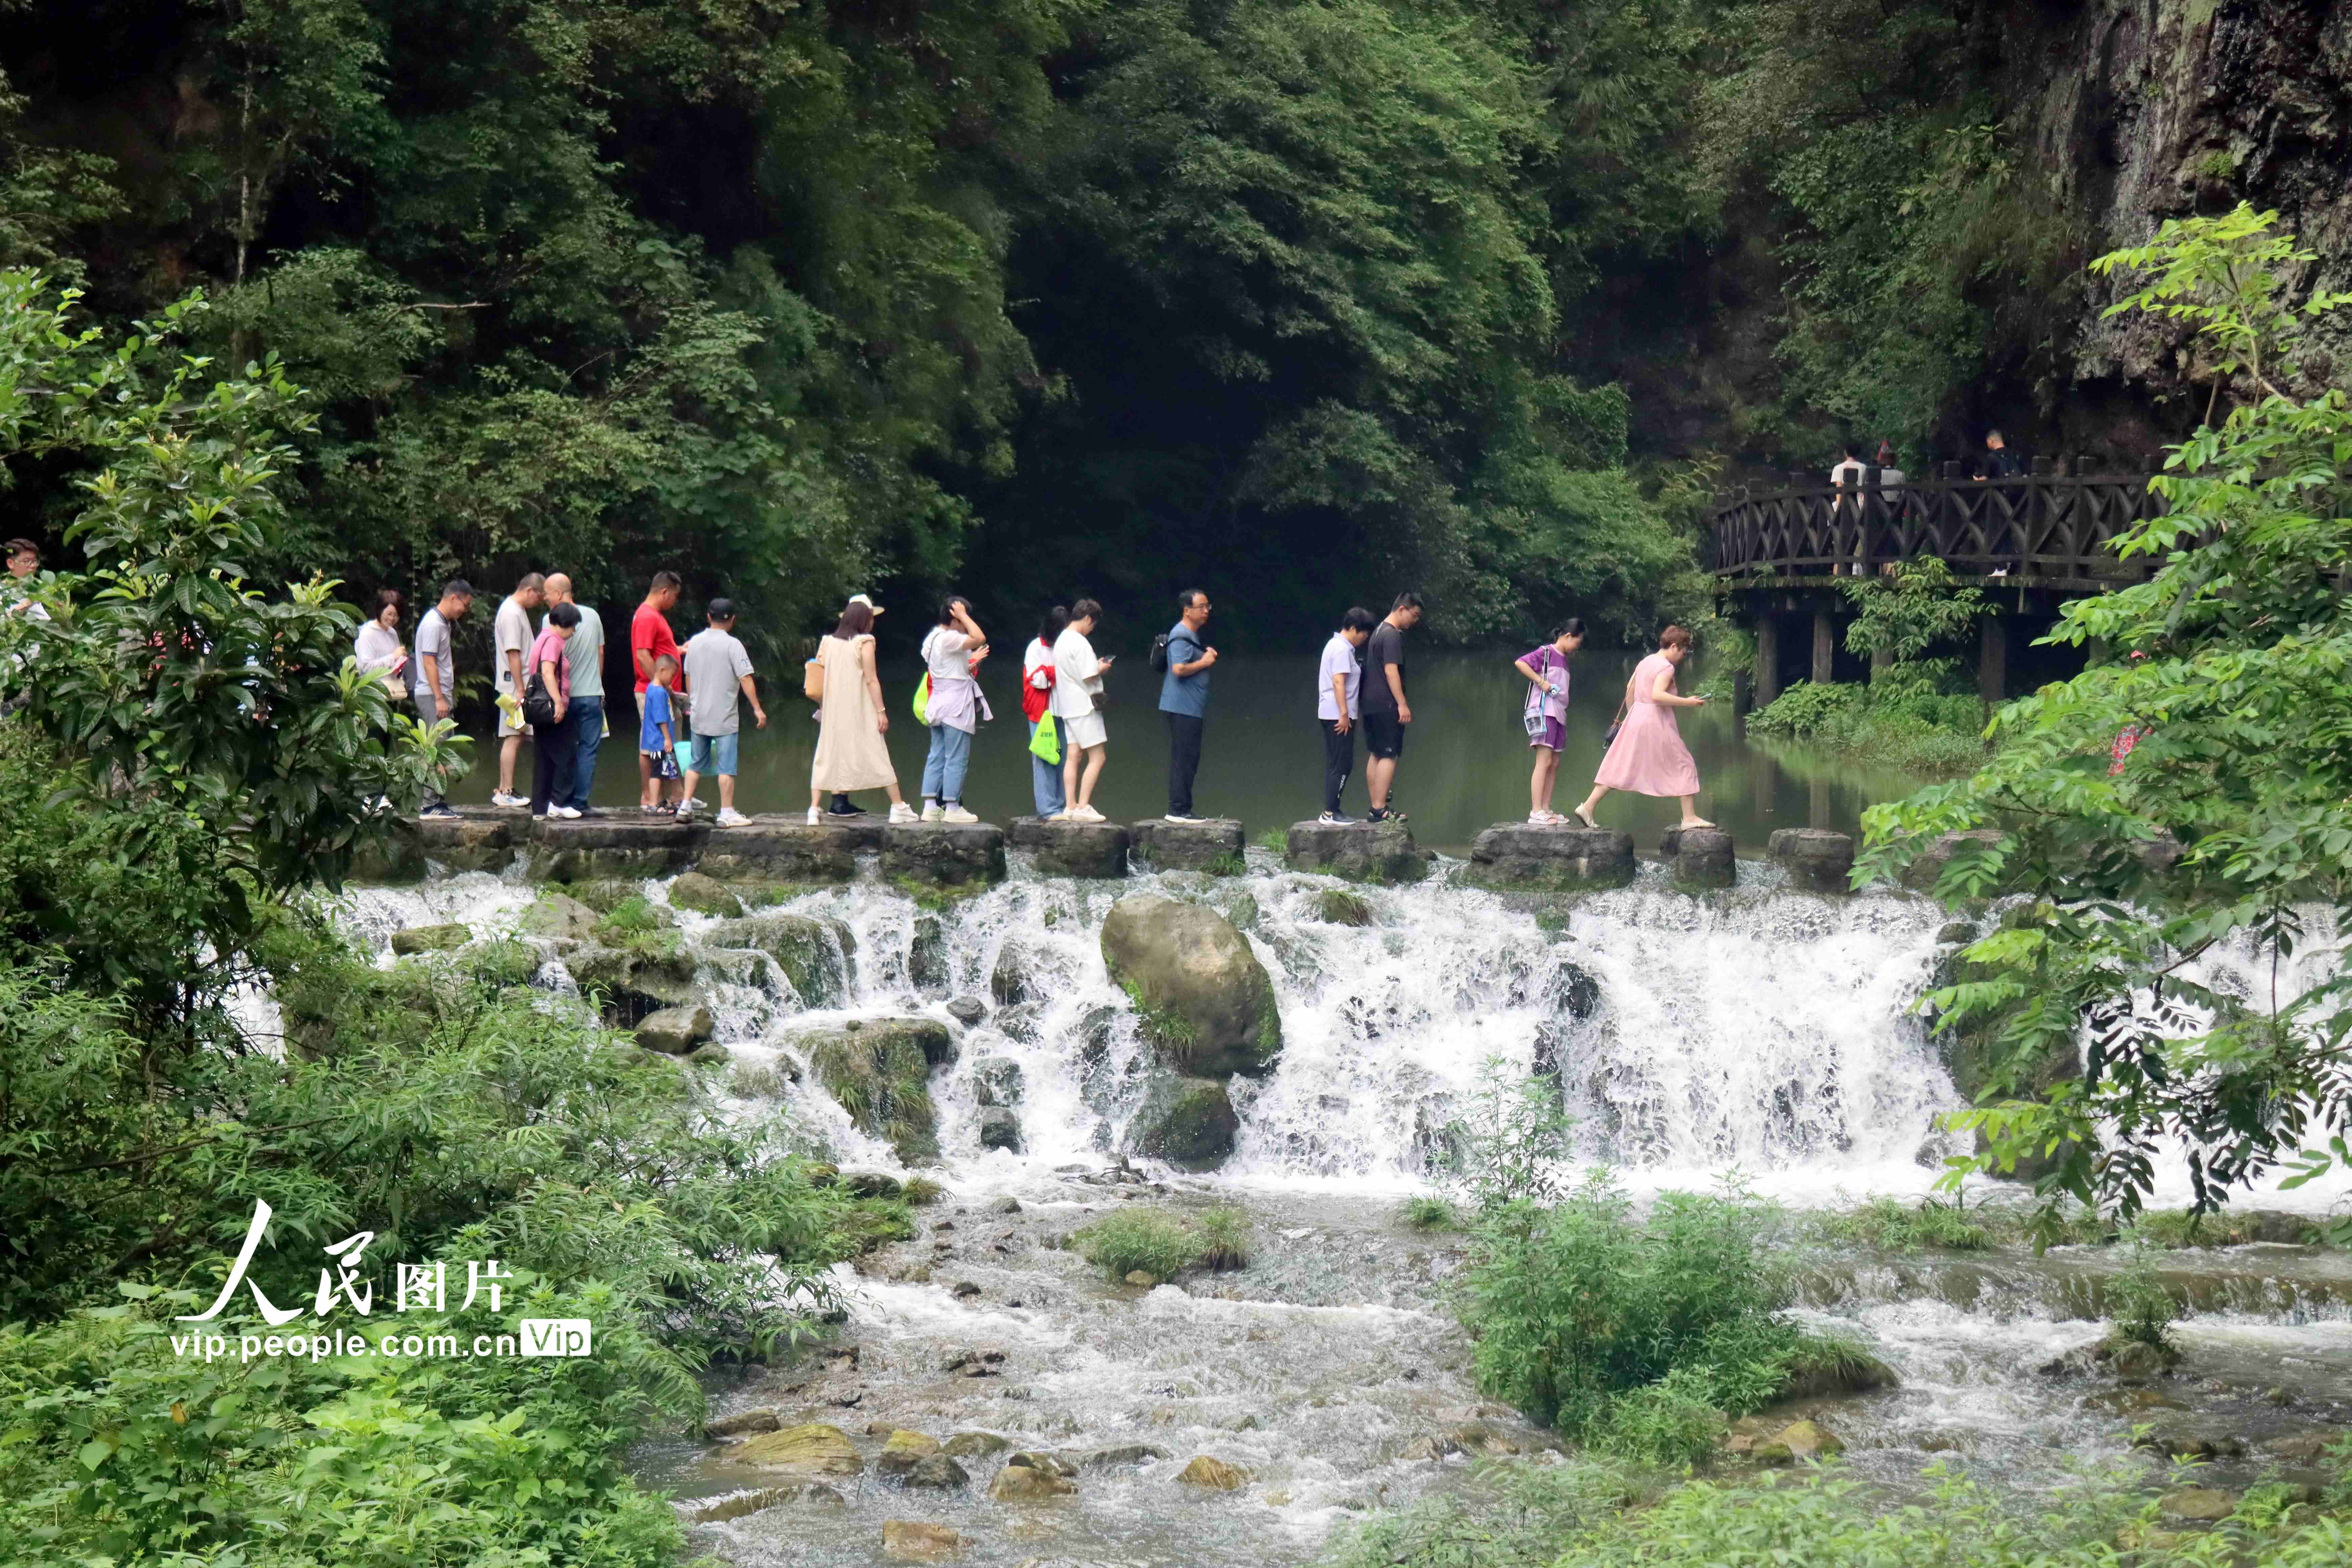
(1648, 756)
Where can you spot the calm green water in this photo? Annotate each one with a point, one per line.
(1465, 762)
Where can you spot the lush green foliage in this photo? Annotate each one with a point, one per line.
(1602, 1516)
(2239, 648)
(1162, 1244)
(1897, 1226)
(1910, 723)
(1428, 1212)
(1634, 1335)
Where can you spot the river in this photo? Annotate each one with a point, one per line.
(1757, 1031)
(1465, 763)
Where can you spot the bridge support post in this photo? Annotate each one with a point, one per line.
(1992, 659)
(1768, 658)
(1824, 647)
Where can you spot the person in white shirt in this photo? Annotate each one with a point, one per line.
(951, 654)
(1036, 706)
(1338, 704)
(510, 631)
(378, 649)
(1077, 676)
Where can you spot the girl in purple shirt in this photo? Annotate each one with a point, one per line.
(1545, 715)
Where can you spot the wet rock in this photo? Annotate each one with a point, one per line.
(1339, 907)
(955, 856)
(1138, 1277)
(430, 939)
(2201, 1505)
(1955, 934)
(634, 981)
(1032, 1478)
(2136, 1358)
(1026, 969)
(742, 1422)
(1797, 1440)
(1212, 1474)
(996, 1081)
(397, 856)
(966, 1010)
(1214, 846)
(815, 953)
(1202, 997)
(878, 1069)
(814, 1449)
(706, 895)
(903, 1451)
(1700, 856)
(1000, 1128)
(1363, 852)
(1020, 1022)
(1072, 849)
(557, 917)
(718, 1510)
(1563, 859)
(1126, 1454)
(1007, 1204)
(2304, 1447)
(871, 1184)
(2189, 1439)
(1187, 1121)
(1921, 874)
(1845, 1372)
(973, 1363)
(974, 1445)
(674, 1031)
(1816, 860)
(474, 840)
(963, 1289)
(908, 1540)
(938, 1473)
(926, 956)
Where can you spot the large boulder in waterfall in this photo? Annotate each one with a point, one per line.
(430, 939)
(1187, 1121)
(704, 895)
(816, 951)
(879, 1071)
(674, 1031)
(1028, 970)
(559, 918)
(999, 1128)
(927, 969)
(1203, 997)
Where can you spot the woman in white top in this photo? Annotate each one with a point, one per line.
(378, 647)
(1077, 676)
(951, 655)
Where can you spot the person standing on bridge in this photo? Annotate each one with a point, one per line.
(1386, 711)
(1648, 756)
(1339, 707)
(1998, 462)
(1546, 716)
(1185, 699)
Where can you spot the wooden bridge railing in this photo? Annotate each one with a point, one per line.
(2044, 528)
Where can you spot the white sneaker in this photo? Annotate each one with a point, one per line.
(1088, 814)
(902, 812)
(957, 814)
(1545, 818)
(931, 811)
(569, 813)
(505, 801)
(814, 817)
(730, 818)
(686, 811)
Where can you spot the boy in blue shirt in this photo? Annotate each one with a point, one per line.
(656, 736)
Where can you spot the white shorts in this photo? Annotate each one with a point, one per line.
(1086, 730)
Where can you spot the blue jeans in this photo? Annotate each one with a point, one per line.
(944, 768)
(588, 723)
(1044, 777)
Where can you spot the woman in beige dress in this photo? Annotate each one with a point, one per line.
(851, 753)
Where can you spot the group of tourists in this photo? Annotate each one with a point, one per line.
(549, 686)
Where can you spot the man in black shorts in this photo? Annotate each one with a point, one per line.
(1386, 712)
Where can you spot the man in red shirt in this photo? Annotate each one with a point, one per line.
(650, 638)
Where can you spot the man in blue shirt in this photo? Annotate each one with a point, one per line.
(1185, 698)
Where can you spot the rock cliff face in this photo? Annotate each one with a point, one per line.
(2134, 111)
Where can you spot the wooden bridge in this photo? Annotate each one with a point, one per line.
(2031, 542)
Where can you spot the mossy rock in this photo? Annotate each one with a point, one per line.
(704, 895)
(878, 1072)
(633, 982)
(1187, 1121)
(813, 1449)
(559, 918)
(607, 895)
(1204, 998)
(926, 956)
(431, 939)
(816, 951)
(903, 1451)
(1339, 907)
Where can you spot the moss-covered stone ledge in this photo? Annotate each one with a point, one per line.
(1067, 849)
(1359, 852)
